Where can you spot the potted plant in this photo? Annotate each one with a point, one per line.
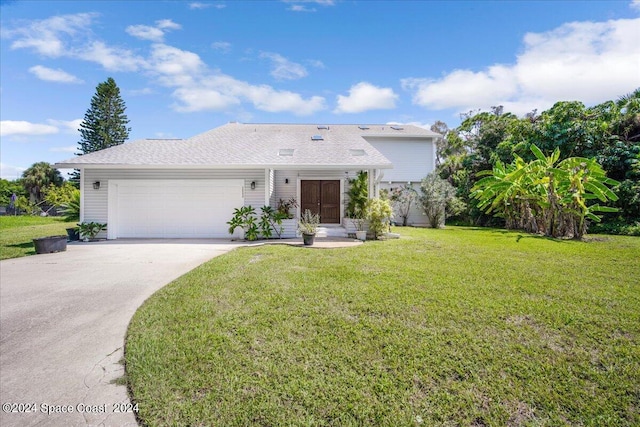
(359, 220)
(89, 230)
(308, 226)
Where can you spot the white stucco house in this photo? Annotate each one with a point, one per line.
(188, 188)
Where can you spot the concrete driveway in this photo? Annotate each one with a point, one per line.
(63, 320)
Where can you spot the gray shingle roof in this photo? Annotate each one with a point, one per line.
(256, 145)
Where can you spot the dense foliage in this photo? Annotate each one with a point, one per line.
(379, 213)
(358, 195)
(437, 199)
(8, 189)
(546, 195)
(39, 190)
(608, 134)
(38, 177)
(269, 222)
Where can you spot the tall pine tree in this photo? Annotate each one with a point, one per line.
(105, 123)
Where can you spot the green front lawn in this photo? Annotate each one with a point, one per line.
(442, 327)
(17, 232)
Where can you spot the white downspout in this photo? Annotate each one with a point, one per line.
(81, 194)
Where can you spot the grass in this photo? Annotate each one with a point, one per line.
(17, 232)
(442, 327)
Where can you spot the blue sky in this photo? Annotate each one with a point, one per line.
(187, 67)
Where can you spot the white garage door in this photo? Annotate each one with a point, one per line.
(174, 208)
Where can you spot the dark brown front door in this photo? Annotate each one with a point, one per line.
(323, 198)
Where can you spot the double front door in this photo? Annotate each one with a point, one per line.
(321, 197)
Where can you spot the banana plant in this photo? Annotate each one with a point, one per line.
(546, 195)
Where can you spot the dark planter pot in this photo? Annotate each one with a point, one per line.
(308, 239)
(50, 244)
(73, 234)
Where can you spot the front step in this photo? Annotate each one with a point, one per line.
(331, 231)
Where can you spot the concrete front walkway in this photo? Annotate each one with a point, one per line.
(63, 320)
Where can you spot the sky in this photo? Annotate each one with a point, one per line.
(185, 67)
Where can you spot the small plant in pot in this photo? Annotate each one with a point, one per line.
(359, 220)
(89, 230)
(308, 226)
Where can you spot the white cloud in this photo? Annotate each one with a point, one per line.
(316, 63)
(47, 36)
(224, 47)
(145, 32)
(283, 69)
(298, 5)
(198, 6)
(174, 66)
(268, 99)
(635, 4)
(168, 24)
(199, 89)
(67, 149)
(111, 58)
(140, 92)
(196, 87)
(154, 34)
(219, 92)
(364, 97)
(69, 126)
(51, 75)
(21, 127)
(585, 61)
(320, 2)
(483, 87)
(301, 8)
(70, 36)
(202, 99)
(10, 172)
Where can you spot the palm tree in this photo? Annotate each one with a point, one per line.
(38, 177)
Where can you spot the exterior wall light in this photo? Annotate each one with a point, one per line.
(96, 185)
(286, 180)
(253, 185)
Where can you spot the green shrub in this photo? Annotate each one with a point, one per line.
(71, 209)
(379, 213)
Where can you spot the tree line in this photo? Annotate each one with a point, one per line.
(554, 172)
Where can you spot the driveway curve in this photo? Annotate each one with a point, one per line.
(63, 320)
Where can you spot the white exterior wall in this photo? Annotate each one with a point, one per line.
(416, 214)
(412, 158)
(95, 201)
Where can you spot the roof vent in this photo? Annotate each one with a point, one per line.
(357, 152)
(320, 127)
(363, 127)
(285, 152)
(317, 138)
(397, 128)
